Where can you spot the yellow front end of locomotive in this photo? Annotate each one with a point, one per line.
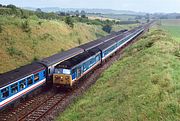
(62, 80)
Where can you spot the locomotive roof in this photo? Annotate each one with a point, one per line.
(59, 57)
(19, 73)
(70, 63)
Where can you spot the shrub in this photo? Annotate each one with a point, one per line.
(107, 28)
(79, 41)
(69, 21)
(40, 23)
(13, 51)
(25, 26)
(1, 29)
(35, 58)
(62, 50)
(177, 53)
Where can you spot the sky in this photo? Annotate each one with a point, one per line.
(150, 6)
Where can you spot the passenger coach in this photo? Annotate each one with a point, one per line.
(20, 82)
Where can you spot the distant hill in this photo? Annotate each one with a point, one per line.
(102, 11)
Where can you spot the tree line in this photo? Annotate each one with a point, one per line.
(69, 17)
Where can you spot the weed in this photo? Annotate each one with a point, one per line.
(25, 26)
(1, 29)
(14, 52)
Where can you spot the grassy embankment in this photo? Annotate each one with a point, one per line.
(142, 86)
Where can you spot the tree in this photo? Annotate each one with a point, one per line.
(69, 21)
(83, 12)
(11, 6)
(77, 13)
(38, 10)
(107, 28)
(1, 5)
(83, 16)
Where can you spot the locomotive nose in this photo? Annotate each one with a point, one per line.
(62, 79)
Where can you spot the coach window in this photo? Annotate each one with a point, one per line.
(5, 92)
(14, 88)
(22, 84)
(97, 58)
(36, 77)
(30, 81)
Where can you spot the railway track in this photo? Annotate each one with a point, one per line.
(48, 105)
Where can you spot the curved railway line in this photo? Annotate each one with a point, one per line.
(47, 105)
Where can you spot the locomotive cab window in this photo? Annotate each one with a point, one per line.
(14, 88)
(36, 77)
(44, 73)
(30, 81)
(5, 92)
(22, 84)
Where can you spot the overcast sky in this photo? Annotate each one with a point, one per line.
(135, 5)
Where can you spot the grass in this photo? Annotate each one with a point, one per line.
(142, 86)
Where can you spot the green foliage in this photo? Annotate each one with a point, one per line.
(107, 28)
(177, 53)
(1, 29)
(79, 41)
(14, 52)
(25, 26)
(40, 23)
(35, 59)
(62, 50)
(11, 6)
(69, 21)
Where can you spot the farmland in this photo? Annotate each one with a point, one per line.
(144, 85)
(172, 27)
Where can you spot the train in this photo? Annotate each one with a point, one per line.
(63, 69)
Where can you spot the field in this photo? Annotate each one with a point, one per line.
(173, 27)
(142, 86)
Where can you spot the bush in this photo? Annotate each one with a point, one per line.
(69, 21)
(79, 41)
(25, 26)
(35, 58)
(13, 51)
(107, 28)
(1, 29)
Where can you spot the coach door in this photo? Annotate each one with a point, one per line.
(78, 71)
